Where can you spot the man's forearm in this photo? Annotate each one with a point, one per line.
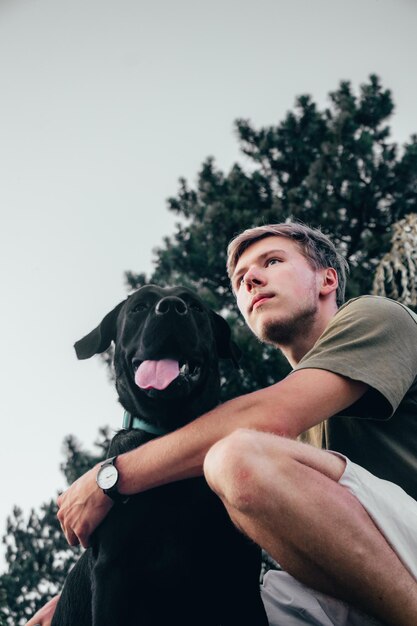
(178, 455)
(287, 408)
(181, 454)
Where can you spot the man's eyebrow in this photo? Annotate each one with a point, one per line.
(260, 257)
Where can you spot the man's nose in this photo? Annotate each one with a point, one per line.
(253, 278)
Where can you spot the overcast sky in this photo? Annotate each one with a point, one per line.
(104, 104)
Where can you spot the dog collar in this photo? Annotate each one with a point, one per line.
(136, 423)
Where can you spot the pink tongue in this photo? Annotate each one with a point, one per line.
(156, 374)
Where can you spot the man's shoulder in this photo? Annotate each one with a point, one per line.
(365, 326)
(376, 307)
(369, 339)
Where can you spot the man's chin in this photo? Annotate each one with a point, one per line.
(271, 331)
(276, 334)
(282, 332)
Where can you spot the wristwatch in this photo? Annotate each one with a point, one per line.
(107, 479)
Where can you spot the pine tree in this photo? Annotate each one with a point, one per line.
(37, 554)
(334, 168)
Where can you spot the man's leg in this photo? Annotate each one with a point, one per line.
(285, 496)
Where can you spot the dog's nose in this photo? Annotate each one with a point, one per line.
(171, 303)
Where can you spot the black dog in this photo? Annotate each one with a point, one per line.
(169, 555)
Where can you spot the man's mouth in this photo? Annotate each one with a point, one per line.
(260, 299)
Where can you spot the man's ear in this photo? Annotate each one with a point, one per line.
(101, 337)
(329, 281)
(226, 347)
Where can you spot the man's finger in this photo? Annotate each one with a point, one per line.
(71, 537)
(84, 541)
(82, 532)
(44, 616)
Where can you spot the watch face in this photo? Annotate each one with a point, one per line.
(107, 477)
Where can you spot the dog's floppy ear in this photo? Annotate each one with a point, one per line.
(226, 347)
(101, 337)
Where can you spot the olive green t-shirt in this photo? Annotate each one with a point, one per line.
(373, 340)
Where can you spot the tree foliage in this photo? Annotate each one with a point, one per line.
(37, 554)
(335, 168)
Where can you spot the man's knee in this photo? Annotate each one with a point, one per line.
(235, 467)
(228, 467)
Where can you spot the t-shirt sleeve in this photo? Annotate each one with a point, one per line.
(373, 340)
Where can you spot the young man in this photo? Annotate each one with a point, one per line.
(338, 522)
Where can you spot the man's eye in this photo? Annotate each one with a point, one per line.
(272, 262)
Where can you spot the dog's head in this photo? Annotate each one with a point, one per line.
(167, 346)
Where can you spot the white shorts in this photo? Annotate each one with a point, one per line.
(290, 603)
(392, 510)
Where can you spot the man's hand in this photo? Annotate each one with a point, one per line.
(44, 616)
(82, 507)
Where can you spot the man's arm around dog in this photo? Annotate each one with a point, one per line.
(287, 408)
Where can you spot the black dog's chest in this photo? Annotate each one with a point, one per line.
(162, 525)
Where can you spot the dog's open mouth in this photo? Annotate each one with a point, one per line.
(161, 374)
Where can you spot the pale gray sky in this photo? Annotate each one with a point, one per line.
(103, 105)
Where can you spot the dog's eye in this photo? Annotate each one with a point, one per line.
(140, 306)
